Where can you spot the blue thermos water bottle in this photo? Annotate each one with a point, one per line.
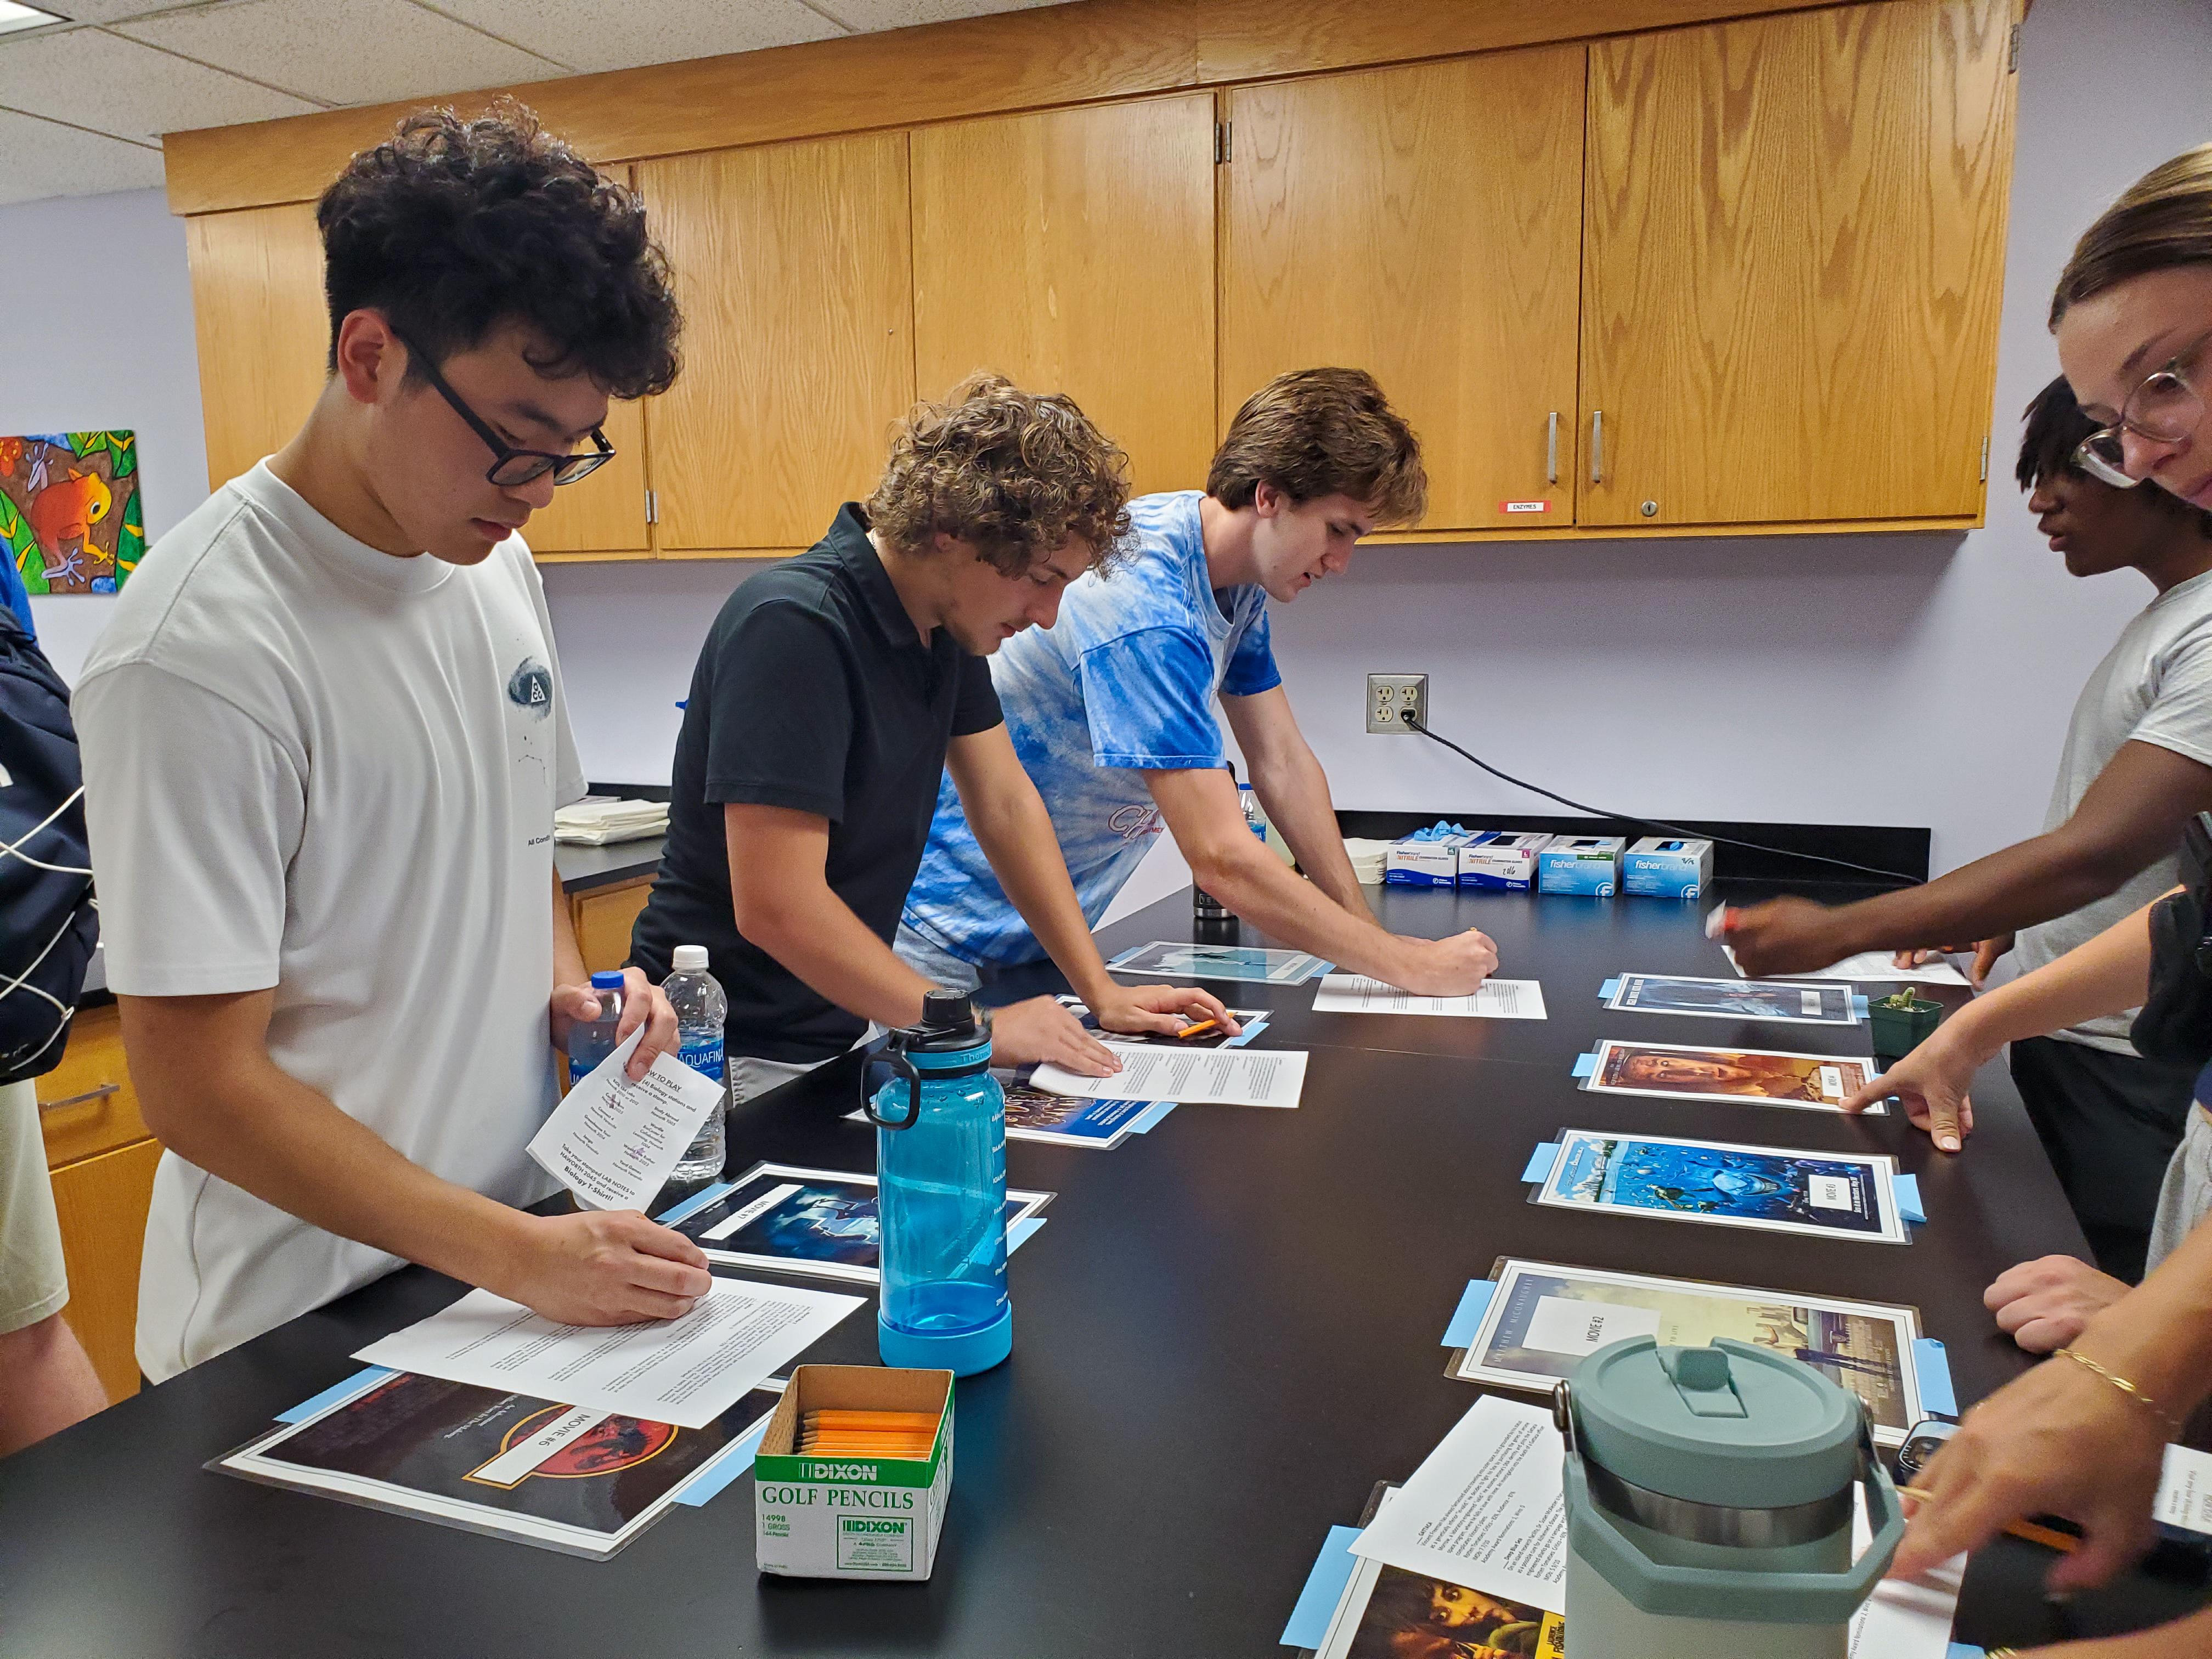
(941, 1192)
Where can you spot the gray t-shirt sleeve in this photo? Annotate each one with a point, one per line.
(2179, 717)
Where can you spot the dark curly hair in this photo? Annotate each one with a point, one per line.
(452, 228)
(1014, 473)
(1318, 432)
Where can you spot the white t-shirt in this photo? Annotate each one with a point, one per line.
(2154, 686)
(312, 766)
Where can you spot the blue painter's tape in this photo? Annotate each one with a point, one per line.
(1933, 1367)
(1858, 1006)
(698, 1201)
(1907, 1189)
(1151, 1114)
(1024, 1230)
(1246, 1032)
(1331, 1571)
(737, 1459)
(359, 1383)
(1605, 991)
(1966, 1650)
(1585, 1065)
(1466, 1318)
(1541, 1162)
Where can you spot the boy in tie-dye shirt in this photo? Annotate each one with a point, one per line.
(1111, 710)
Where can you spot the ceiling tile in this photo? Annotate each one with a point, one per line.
(868, 15)
(100, 11)
(623, 33)
(344, 51)
(40, 158)
(90, 78)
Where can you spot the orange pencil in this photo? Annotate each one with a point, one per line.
(1199, 1030)
(2064, 1542)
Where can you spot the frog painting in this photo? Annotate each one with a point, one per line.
(71, 515)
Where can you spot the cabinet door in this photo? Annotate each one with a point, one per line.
(102, 1202)
(1074, 252)
(792, 263)
(263, 327)
(603, 918)
(1793, 265)
(603, 512)
(1424, 224)
(87, 1103)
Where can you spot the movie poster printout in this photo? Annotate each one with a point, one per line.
(1169, 959)
(1386, 1612)
(1733, 998)
(1544, 1318)
(1675, 1070)
(1035, 1114)
(1250, 1022)
(790, 1219)
(1772, 1188)
(583, 1481)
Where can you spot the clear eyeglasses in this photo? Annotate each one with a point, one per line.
(2165, 409)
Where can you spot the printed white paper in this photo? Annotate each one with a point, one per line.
(1495, 999)
(686, 1371)
(615, 1142)
(1210, 1077)
(1877, 965)
(1904, 1617)
(1485, 1510)
(2185, 1491)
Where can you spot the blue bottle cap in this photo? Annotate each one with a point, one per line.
(610, 979)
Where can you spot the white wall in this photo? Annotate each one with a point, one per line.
(1911, 680)
(96, 332)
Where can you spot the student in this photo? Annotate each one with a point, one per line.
(2084, 1436)
(1111, 711)
(832, 694)
(323, 738)
(2136, 767)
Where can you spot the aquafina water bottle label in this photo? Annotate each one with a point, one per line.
(703, 1055)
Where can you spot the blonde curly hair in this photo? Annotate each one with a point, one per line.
(1015, 474)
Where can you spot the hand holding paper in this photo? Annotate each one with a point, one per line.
(614, 1141)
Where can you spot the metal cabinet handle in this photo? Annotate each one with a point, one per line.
(1552, 447)
(1597, 446)
(85, 1099)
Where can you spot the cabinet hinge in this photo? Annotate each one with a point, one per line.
(1224, 142)
(653, 503)
(2012, 51)
(1985, 458)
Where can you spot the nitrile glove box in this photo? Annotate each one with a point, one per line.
(1430, 863)
(1659, 867)
(1502, 858)
(853, 1516)
(1588, 864)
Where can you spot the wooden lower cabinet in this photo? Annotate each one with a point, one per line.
(603, 918)
(102, 1202)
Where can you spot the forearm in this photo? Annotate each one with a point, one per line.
(1017, 836)
(1293, 791)
(814, 934)
(2108, 975)
(2051, 876)
(2159, 1335)
(568, 958)
(1259, 888)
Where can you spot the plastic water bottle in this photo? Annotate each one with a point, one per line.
(1254, 819)
(700, 1008)
(591, 1040)
(941, 1193)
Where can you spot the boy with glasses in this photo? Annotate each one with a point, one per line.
(1111, 712)
(323, 739)
(2136, 767)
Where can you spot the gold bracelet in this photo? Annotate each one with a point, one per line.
(2164, 1418)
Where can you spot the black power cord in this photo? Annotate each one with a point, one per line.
(1406, 716)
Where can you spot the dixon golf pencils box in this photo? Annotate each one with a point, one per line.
(1501, 857)
(1658, 867)
(1589, 865)
(1424, 859)
(852, 1473)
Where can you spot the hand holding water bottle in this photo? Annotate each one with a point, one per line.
(641, 1003)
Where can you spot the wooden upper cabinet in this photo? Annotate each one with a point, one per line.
(1793, 265)
(263, 329)
(603, 512)
(1074, 252)
(792, 265)
(1423, 223)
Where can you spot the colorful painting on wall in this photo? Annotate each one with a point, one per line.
(70, 511)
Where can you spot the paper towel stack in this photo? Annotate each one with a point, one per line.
(1366, 858)
(598, 820)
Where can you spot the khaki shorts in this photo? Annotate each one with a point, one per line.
(34, 1285)
(2186, 1197)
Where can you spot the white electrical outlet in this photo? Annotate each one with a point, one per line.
(1392, 697)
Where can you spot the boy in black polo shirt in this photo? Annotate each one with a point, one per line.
(831, 695)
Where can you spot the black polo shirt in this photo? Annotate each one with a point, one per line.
(812, 692)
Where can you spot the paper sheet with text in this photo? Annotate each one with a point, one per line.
(1496, 999)
(613, 1142)
(1208, 1077)
(1877, 966)
(686, 1371)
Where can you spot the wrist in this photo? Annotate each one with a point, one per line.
(497, 1250)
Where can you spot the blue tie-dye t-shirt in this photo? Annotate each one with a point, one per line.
(1121, 684)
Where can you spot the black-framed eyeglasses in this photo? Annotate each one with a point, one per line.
(2165, 408)
(511, 466)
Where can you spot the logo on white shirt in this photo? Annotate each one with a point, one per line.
(531, 688)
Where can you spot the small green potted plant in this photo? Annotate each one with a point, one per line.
(1902, 1023)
